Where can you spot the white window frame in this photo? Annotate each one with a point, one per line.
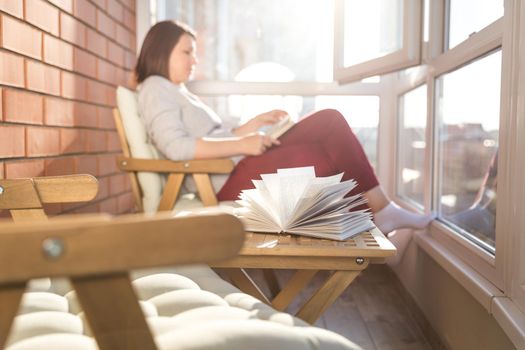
(417, 79)
(409, 55)
(497, 282)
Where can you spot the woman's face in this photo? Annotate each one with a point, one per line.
(182, 59)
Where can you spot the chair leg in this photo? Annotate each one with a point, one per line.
(10, 297)
(171, 192)
(205, 189)
(113, 312)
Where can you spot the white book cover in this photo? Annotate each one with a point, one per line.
(295, 201)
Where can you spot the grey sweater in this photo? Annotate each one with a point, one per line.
(175, 119)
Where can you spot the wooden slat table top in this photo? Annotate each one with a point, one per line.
(370, 244)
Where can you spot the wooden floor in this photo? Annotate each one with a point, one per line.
(371, 312)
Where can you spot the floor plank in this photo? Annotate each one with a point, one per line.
(371, 312)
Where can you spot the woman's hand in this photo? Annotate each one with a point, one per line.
(269, 118)
(256, 144)
(253, 125)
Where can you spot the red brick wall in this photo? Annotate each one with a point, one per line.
(60, 62)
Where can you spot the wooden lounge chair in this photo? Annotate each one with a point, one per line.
(96, 252)
(141, 161)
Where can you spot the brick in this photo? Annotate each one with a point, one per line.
(72, 30)
(124, 37)
(85, 11)
(113, 142)
(57, 52)
(24, 169)
(103, 188)
(116, 10)
(105, 118)
(71, 141)
(130, 4)
(101, 4)
(117, 184)
(15, 8)
(109, 206)
(105, 24)
(73, 86)
(129, 60)
(66, 5)
(42, 142)
(85, 209)
(115, 54)
(111, 96)
(11, 141)
(58, 112)
(107, 72)
(42, 15)
(20, 37)
(1, 170)
(96, 92)
(85, 115)
(84, 62)
(11, 70)
(124, 77)
(23, 107)
(126, 203)
(129, 20)
(1, 104)
(95, 141)
(107, 164)
(86, 165)
(59, 166)
(42, 78)
(96, 43)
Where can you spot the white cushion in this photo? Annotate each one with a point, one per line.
(173, 303)
(42, 301)
(150, 286)
(251, 334)
(136, 135)
(39, 285)
(47, 322)
(56, 342)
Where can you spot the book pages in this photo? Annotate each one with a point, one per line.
(295, 201)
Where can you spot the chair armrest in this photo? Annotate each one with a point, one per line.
(217, 166)
(20, 193)
(99, 244)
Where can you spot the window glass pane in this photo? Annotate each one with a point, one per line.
(372, 29)
(468, 110)
(361, 112)
(296, 35)
(470, 16)
(412, 144)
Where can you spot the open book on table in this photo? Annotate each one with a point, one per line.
(278, 129)
(295, 201)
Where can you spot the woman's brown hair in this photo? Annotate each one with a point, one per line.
(156, 49)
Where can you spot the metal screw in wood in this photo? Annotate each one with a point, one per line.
(186, 165)
(124, 163)
(53, 248)
(359, 261)
(1, 190)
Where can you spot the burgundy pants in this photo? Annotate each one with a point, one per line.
(323, 140)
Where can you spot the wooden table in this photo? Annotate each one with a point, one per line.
(308, 256)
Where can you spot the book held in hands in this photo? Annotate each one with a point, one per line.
(295, 201)
(278, 129)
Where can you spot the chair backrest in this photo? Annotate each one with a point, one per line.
(147, 186)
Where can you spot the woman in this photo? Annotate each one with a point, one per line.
(182, 127)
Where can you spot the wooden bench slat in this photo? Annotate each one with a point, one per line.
(96, 246)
